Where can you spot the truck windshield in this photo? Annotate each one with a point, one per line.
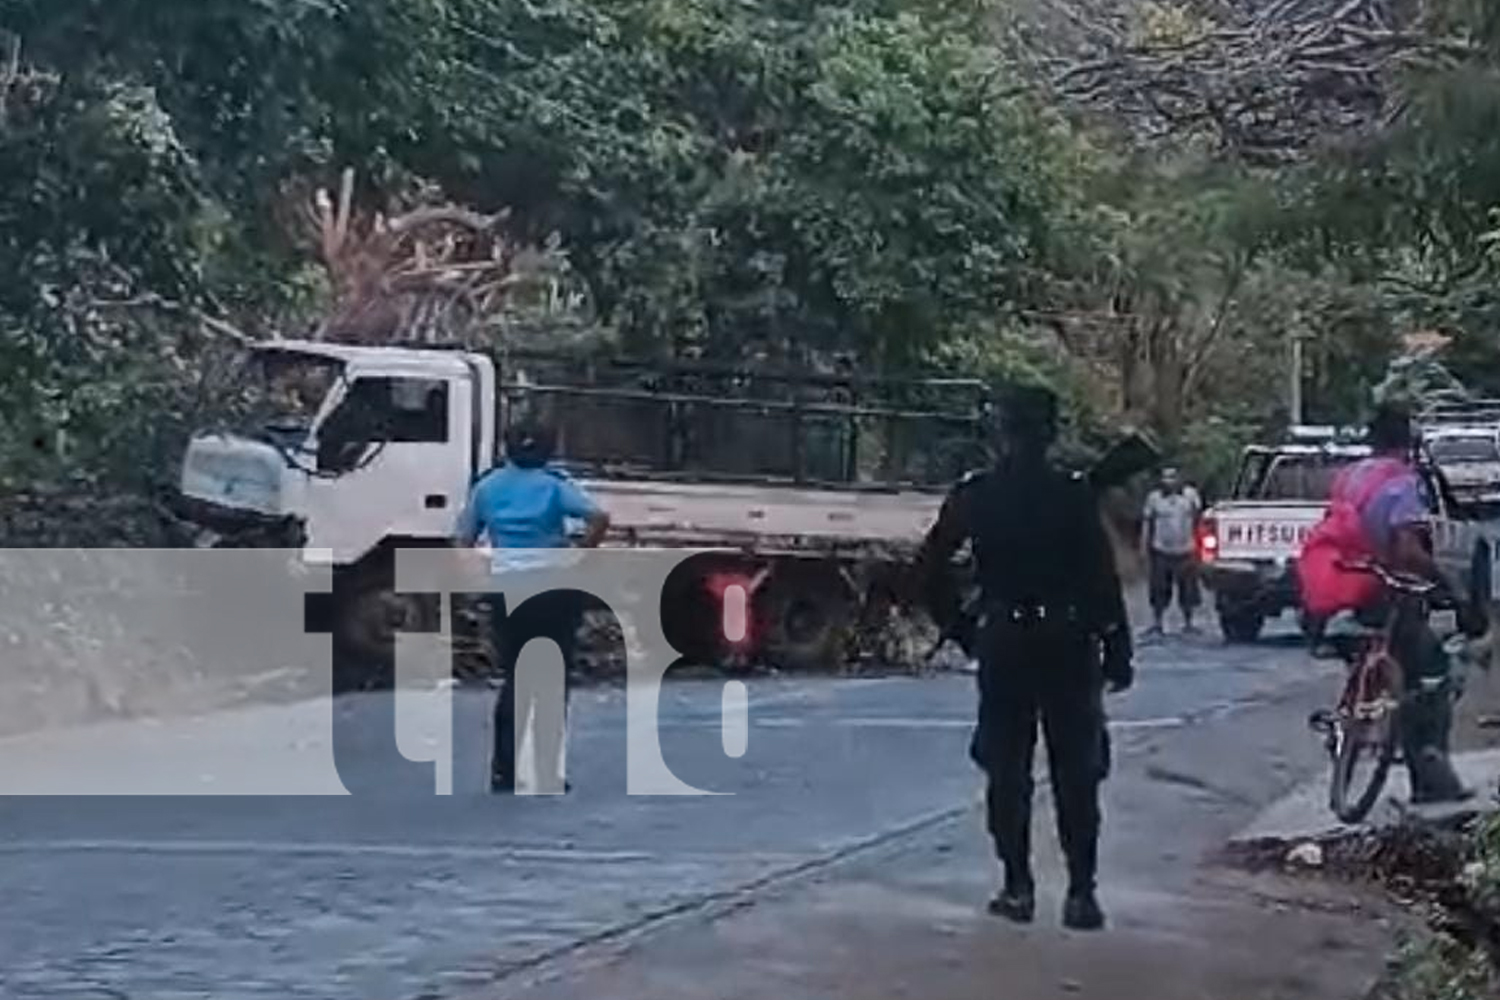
(1464, 449)
(283, 391)
(1301, 477)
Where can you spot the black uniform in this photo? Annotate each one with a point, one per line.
(1050, 605)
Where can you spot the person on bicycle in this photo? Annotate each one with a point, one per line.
(520, 507)
(1395, 521)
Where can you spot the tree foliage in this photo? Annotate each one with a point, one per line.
(722, 178)
(887, 179)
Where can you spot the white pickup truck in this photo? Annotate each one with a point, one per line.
(1249, 543)
(1469, 457)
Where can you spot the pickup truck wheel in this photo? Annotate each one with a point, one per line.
(1241, 626)
(808, 617)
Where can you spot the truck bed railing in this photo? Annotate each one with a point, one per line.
(764, 406)
(584, 469)
(1476, 411)
(734, 436)
(750, 372)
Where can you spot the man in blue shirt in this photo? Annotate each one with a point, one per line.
(522, 508)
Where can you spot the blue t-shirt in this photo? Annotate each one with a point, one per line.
(517, 508)
(1400, 503)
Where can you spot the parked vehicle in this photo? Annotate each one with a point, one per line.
(1250, 542)
(1463, 440)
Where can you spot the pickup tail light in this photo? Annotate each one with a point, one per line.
(1208, 540)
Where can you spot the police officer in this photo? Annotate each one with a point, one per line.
(520, 507)
(1050, 632)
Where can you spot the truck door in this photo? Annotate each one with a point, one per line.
(393, 461)
(1453, 536)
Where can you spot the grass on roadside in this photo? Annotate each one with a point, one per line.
(1460, 958)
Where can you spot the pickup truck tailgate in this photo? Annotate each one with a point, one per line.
(1263, 532)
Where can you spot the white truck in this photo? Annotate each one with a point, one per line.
(1463, 440)
(1249, 543)
(812, 490)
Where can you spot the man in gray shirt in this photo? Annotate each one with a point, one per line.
(1171, 525)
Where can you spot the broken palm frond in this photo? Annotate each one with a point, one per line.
(1263, 81)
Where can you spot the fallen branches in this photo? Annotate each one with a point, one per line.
(1263, 82)
(425, 275)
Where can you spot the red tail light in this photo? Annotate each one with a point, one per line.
(732, 592)
(1208, 540)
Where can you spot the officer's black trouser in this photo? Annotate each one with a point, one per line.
(555, 615)
(1048, 672)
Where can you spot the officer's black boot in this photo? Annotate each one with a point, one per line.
(1081, 911)
(1017, 899)
(1008, 816)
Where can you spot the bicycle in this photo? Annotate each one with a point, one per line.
(1365, 727)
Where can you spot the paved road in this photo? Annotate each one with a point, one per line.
(394, 894)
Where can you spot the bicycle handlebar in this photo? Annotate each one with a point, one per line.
(1403, 582)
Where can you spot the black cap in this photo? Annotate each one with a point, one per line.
(529, 443)
(1028, 409)
(1391, 426)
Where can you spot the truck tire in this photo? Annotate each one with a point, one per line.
(1241, 627)
(369, 615)
(807, 618)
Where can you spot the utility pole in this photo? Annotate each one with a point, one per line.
(1294, 377)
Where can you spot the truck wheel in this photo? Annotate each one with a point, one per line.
(807, 621)
(370, 614)
(1241, 626)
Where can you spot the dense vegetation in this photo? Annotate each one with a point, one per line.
(900, 180)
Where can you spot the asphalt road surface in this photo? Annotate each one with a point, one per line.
(394, 893)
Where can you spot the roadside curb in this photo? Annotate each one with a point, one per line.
(1303, 814)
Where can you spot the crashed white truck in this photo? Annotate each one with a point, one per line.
(1248, 544)
(812, 491)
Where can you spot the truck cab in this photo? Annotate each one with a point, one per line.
(358, 445)
(345, 453)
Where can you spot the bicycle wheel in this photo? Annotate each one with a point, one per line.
(1362, 762)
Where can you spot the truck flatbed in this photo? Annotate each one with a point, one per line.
(763, 516)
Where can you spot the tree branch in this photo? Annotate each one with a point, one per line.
(151, 300)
